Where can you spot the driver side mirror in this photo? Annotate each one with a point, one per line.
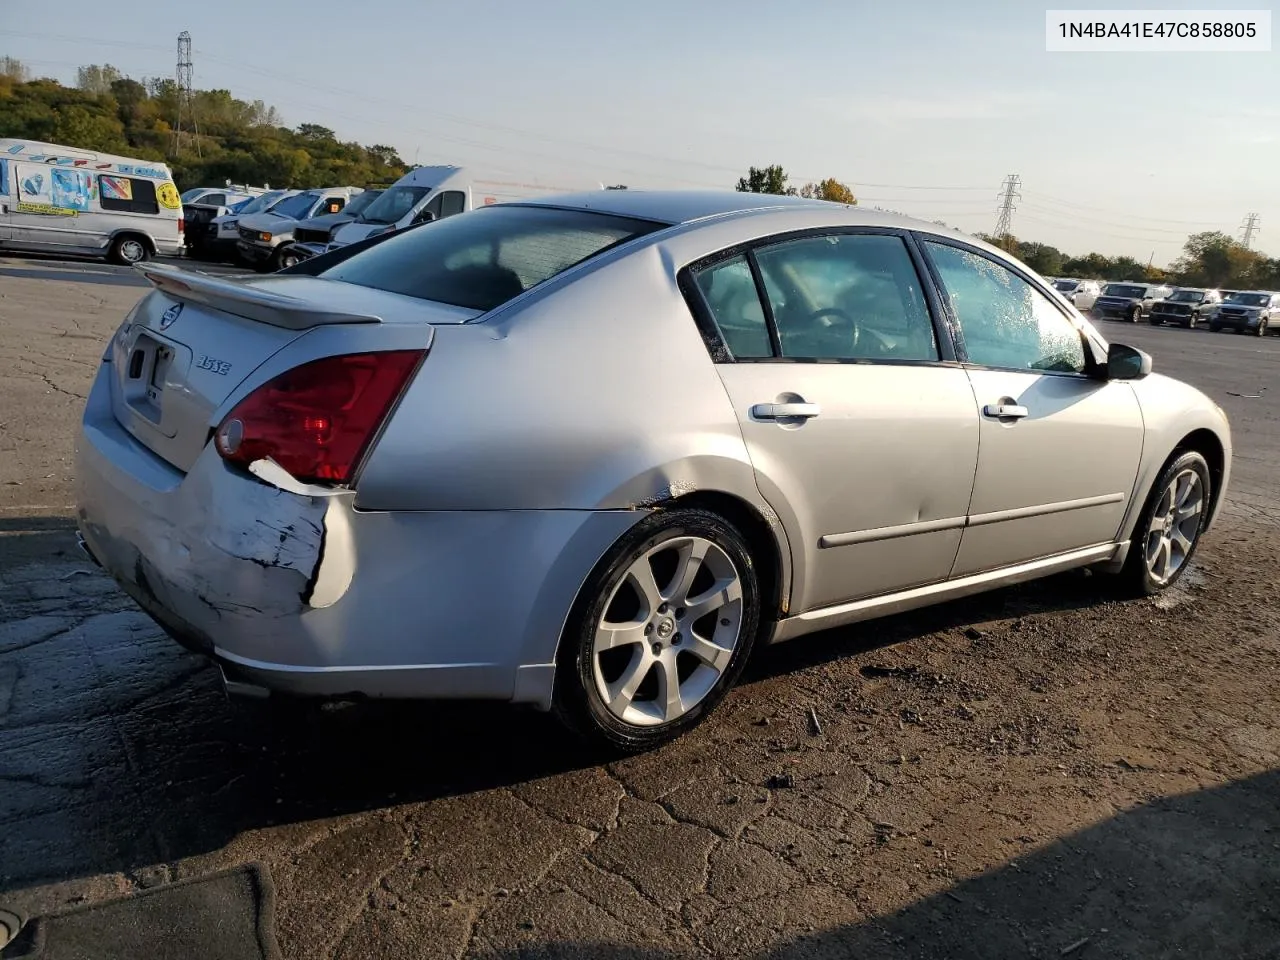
(1127, 363)
(426, 216)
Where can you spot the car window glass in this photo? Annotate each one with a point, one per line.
(453, 201)
(847, 297)
(487, 257)
(730, 293)
(1004, 320)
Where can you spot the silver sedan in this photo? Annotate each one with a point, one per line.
(588, 453)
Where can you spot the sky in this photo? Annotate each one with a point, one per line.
(921, 107)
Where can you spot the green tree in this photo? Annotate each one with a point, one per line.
(771, 179)
(97, 79)
(14, 69)
(239, 140)
(1214, 259)
(830, 189)
(1042, 258)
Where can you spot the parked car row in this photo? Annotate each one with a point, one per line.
(1243, 311)
(297, 225)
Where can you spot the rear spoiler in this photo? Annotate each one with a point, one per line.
(244, 300)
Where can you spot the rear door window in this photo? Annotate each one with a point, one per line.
(487, 257)
(127, 194)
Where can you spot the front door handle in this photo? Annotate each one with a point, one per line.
(1005, 411)
(785, 411)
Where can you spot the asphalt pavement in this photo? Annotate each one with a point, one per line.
(1039, 770)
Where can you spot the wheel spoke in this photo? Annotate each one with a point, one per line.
(1187, 511)
(723, 593)
(669, 701)
(610, 635)
(640, 576)
(1166, 501)
(1182, 540)
(692, 554)
(623, 690)
(712, 654)
(1186, 487)
(1164, 557)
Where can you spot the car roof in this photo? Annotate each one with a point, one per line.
(687, 206)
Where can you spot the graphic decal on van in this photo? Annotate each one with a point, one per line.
(116, 188)
(56, 192)
(168, 196)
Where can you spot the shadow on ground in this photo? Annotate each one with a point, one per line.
(118, 749)
(1196, 875)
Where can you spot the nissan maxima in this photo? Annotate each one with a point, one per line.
(591, 452)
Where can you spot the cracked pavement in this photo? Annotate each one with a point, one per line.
(1008, 775)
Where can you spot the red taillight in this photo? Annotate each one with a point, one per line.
(318, 419)
(182, 225)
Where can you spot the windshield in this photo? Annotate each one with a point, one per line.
(190, 195)
(297, 206)
(361, 201)
(1250, 299)
(258, 204)
(482, 259)
(1066, 286)
(239, 207)
(394, 204)
(1187, 296)
(1125, 290)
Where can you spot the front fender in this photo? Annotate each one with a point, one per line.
(1172, 411)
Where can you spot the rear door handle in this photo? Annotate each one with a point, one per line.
(1004, 411)
(785, 411)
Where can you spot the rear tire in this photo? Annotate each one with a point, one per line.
(1262, 328)
(1169, 527)
(128, 249)
(660, 631)
(1135, 314)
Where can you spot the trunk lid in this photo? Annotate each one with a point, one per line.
(196, 338)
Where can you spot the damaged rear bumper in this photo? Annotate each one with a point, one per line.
(309, 595)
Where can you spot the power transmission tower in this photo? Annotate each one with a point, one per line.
(1004, 222)
(1250, 227)
(186, 96)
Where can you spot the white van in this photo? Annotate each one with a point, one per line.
(432, 193)
(56, 199)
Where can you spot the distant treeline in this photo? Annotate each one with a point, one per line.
(237, 140)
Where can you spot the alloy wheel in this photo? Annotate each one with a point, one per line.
(1174, 526)
(669, 631)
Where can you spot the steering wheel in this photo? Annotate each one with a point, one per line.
(833, 318)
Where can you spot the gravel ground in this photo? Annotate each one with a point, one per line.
(1038, 772)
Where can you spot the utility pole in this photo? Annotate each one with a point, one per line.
(1009, 193)
(1250, 227)
(186, 96)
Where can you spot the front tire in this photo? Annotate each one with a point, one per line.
(1262, 328)
(1168, 530)
(1135, 314)
(660, 631)
(128, 250)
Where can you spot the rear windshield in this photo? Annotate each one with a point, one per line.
(1187, 296)
(1066, 286)
(482, 259)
